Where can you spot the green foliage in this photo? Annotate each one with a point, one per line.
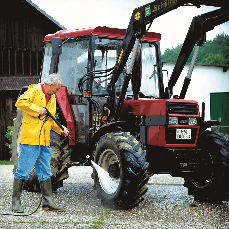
(8, 137)
(212, 52)
(171, 55)
(6, 162)
(100, 221)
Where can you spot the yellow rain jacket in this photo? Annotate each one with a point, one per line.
(30, 103)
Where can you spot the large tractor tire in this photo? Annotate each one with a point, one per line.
(211, 182)
(15, 139)
(120, 170)
(60, 158)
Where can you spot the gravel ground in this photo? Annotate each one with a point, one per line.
(166, 205)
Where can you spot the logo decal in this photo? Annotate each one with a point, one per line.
(147, 11)
(137, 16)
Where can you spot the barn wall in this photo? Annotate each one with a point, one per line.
(7, 114)
(23, 27)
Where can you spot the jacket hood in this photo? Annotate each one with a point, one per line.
(35, 86)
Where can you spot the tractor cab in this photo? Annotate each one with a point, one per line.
(97, 50)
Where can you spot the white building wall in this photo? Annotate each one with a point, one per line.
(204, 80)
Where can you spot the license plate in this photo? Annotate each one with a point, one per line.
(183, 134)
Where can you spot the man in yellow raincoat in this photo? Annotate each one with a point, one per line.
(35, 140)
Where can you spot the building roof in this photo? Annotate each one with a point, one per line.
(16, 83)
(45, 14)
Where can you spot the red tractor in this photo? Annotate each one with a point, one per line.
(121, 118)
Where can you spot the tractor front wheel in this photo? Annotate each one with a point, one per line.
(120, 170)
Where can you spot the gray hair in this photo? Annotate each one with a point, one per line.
(54, 78)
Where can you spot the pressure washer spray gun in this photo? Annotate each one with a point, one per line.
(49, 115)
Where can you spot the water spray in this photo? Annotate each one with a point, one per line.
(100, 171)
(108, 181)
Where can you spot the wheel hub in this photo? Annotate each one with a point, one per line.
(204, 177)
(114, 170)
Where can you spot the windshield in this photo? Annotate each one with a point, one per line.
(106, 54)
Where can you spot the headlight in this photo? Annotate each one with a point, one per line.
(192, 121)
(173, 120)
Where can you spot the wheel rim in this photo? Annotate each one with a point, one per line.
(109, 171)
(205, 176)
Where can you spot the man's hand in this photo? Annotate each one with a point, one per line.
(43, 111)
(65, 132)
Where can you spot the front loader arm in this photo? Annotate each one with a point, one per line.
(196, 35)
(137, 29)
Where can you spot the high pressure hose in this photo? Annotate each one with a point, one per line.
(42, 186)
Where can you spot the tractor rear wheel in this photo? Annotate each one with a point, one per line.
(60, 158)
(15, 139)
(210, 183)
(120, 170)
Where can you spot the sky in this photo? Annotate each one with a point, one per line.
(78, 14)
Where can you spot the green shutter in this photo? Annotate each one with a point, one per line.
(220, 108)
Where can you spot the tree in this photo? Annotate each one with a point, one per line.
(212, 52)
(8, 138)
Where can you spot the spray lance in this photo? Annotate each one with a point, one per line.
(49, 115)
(88, 158)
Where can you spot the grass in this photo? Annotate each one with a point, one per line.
(6, 162)
(100, 221)
(95, 224)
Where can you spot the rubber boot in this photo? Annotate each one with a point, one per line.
(16, 202)
(48, 203)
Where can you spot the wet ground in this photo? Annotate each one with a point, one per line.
(166, 205)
